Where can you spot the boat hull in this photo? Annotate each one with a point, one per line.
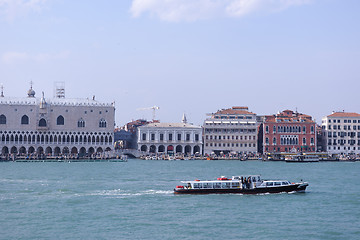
(258, 190)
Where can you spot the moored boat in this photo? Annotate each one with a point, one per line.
(250, 184)
(304, 158)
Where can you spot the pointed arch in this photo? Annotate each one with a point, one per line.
(42, 123)
(102, 123)
(2, 119)
(60, 120)
(81, 123)
(24, 120)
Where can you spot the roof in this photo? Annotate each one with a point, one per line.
(170, 125)
(344, 114)
(289, 116)
(53, 101)
(235, 111)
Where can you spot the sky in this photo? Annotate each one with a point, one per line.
(186, 56)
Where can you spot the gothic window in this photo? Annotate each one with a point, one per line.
(60, 120)
(81, 123)
(102, 123)
(24, 119)
(42, 123)
(2, 119)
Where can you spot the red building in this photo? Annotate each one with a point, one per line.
(289, 131)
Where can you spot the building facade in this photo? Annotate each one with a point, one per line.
(232, 130)
(57, 126)
(341, 133)
(169, 138)
(289, 131)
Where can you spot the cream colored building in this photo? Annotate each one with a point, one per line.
(56, 126)
(232, 130)
(341, 133)
(178, 138)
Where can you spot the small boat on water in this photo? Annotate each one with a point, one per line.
(303, 158)
(250, 184)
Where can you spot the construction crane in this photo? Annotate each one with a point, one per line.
(154, 108)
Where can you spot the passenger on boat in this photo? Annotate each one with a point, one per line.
(189, 186)
(248, 182)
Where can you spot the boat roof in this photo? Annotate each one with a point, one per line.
(233, 178)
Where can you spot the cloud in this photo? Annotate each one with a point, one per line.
(191, 10)
(11, 9)
(16, 57)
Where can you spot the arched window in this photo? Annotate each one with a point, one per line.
(60, 120)
(81, 123)
(2, 119)
(102, 123)
(24, 119)
(42, 123)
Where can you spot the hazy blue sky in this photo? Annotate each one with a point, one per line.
(192, 56)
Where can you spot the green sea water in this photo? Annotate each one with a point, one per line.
(135, 200)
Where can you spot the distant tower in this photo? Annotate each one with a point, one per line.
(184, 120)
(2, 91)
(31, 92)
(59, 90)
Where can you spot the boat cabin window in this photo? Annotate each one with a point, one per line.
(269, 184)
(285, 183)
(217, 185)
(227, 185)
(207, 185)
(277, 183)
(197, 185)
(235, 184)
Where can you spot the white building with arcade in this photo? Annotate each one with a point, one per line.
(169, 138)
(57, 126)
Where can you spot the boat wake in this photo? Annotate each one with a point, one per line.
(118, 193)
